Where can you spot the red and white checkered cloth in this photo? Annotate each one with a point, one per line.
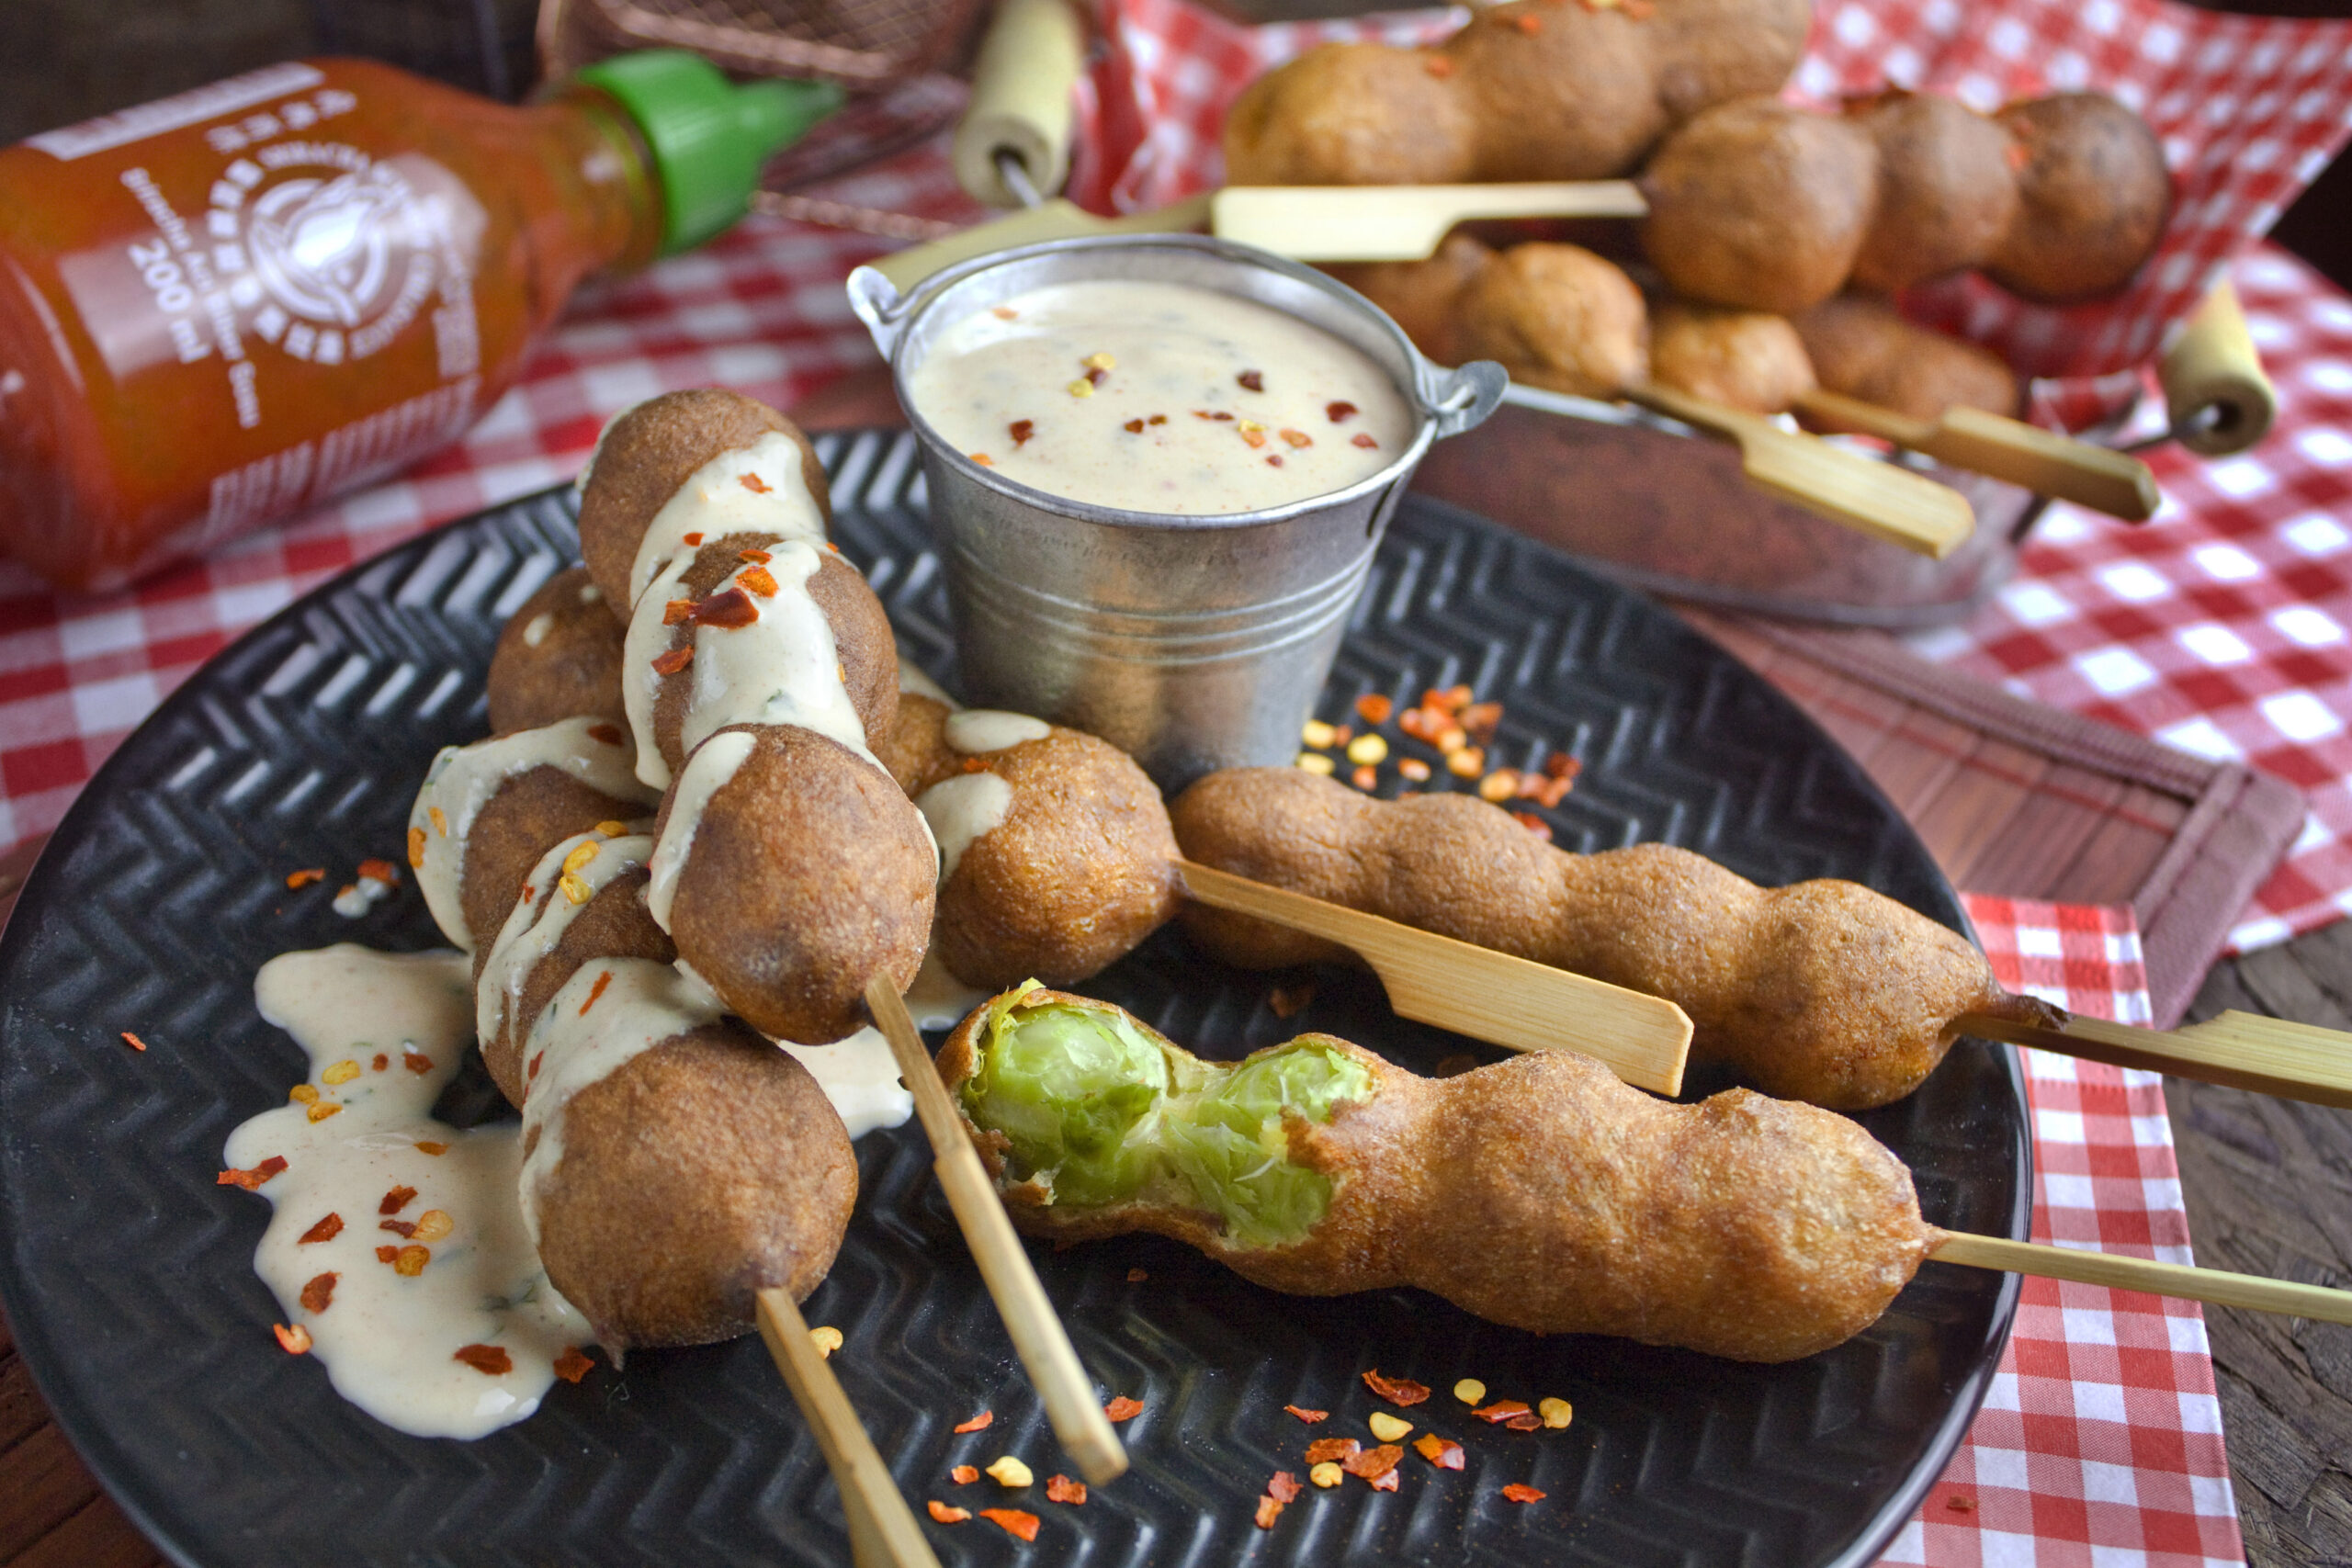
(2100, 1441)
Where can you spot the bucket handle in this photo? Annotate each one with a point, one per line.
(1461, 398)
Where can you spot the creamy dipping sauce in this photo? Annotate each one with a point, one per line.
(1159, 397)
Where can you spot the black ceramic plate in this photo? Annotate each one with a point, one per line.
(128, 1276)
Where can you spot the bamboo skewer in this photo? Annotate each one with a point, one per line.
(2243, 1050)
(1506, 1001)
(882, 1530)
(2042, 461)
(1038, 1336)
(1399, 224)
(2215, 1285)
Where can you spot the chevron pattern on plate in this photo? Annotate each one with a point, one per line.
(127, 1273)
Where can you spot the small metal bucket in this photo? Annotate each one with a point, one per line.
(1193, 643)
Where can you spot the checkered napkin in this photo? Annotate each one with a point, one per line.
(2249, 110)
(2100, 1439)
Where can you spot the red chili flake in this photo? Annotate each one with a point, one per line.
(1015, 1521)
(294, 1340)
(755, 484)
(1004, 312)
(984, 460)
(1022, 430)
(387, 1254)
(603, 979)
(1528, 23)
(1365, 441)
(319, 1294)
(379, 871)
(307, 876)
(1268, 1510)
(1338, 413)
(1366, 779)
(1373, 707)
(1096, 374)
(1256, 438)
(533, 1071)
(1326, 1451)
(1480, 719)
(1285, 1487)
(1255, 381)
(1157, 419)
(756, 558)
(1372, 1463)
(979, 1423)
(677, 659)
(1533, 824)
(1123, 1408)
(1454, 699)
(1525, 1423)
(1398, 1391)
(1137, 1276)
(1309, 1417)
(133, 1041)
(1297, 437)
(396, 1200)
(1442, 1452)
(942, 1514)
(381, 1062)
(756, 580)
(416, 1062)
(1438, 66)
(965, 1474)
(325, 1230)
(249, 1179)
(429, 1147)
(1062, 1489)
(401, 1228)
(1274, 462)
(573, 1364)
(610, 734)
(1289, 1001)
(1560, 765)
(1518, 1492)
(1501, 1410)
(1133, 427)
(489, 1360)
(678, 611)
(694, 539)
(730, 609)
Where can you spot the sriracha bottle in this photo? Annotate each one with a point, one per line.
(223, 306)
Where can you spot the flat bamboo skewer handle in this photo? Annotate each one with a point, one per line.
(1038, 1336)
(1879, 499)
(2244, 1050)
(2215, 1285)
(1376, 223)
(1490, 996)
(2217, 395)
(882, 1530)
(2042, 461)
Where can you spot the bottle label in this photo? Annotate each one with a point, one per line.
(111, 131)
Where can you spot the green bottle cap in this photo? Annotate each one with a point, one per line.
(708, 137)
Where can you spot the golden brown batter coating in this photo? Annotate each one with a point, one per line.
(1421, 296)
(514, 829)
(1862, 345)
(809, 874)
(1757, 204)
(1822, 991)
(2092, 198)
(1708, 51)
(557, 658)
(1545, 1193)
(1561, 92)
(699, 1171)
(650, 452)
(1349, 114)
(1945, 189)
(1555, 316)
(916, 749)
(1747, 359)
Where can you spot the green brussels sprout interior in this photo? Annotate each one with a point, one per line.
(1102, 1113)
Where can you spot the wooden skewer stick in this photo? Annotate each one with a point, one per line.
(2244, 1050)
(2042, 461)
(882, 1530)
(1038, 1336)
(1399, 224)
(2215, 1285)
(1882, 499)
(1506, 1001)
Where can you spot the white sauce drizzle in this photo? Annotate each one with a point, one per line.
(388, 1342)
(356, 899)
(976, 731)
(913, 682)
(463, 779)
(782, 669)
(590, 593)
(714, 502)
(535, 924)
(961, 809)
(647, 639)
(641, 1003)
(535, 631)
(860, 1076)
(938, 1000)
(708, 771)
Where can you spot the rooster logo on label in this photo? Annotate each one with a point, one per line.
(331, 252)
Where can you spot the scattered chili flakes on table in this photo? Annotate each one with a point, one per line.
(1309, 1417)
(944, 1514)
(1373, 707)
(1014, 1521)
(1502, 1410)
(1123, 1408)
(1289, 1001)
(1518, 1492)
(490, 1360)
(979, 1423)
(1442, 1452)
(305, 876)
(133, 1041)
(965, 1474)
(1397, 1390)
(573, 1364)
(294, 1341)
(1268, 1510)
(1283, 1487)
(1324, 1449)
(1062, 1489)
(1137, 1276)
(249, 1179)
(1377, 1466)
